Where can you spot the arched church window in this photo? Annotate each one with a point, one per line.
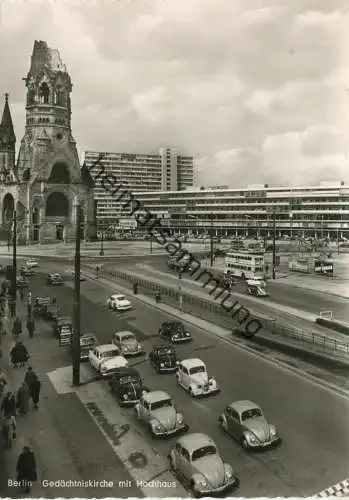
(44, 93)
(31, 97)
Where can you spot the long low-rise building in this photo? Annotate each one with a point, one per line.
(316, 211)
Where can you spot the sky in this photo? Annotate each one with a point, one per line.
(256, 90)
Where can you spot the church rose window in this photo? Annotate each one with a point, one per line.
(57, 205)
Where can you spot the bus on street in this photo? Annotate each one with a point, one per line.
(245, 265)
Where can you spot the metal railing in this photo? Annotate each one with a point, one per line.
(190, 301)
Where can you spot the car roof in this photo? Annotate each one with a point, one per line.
(124, 333)
(195, 440)
(125, 370)
(243, 405)
(190, 363)
(164, 347)
(154, 396)
(118, 295)
(174, 322)
(106, 347)
(88, 336)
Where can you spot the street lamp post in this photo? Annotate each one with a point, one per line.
(77, 303)
(14, 265)
(211, 239)
(151, 244)
(101, 252)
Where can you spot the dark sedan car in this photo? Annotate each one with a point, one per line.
(174, 331)
(22, 282)
(164, 359)
(55, 279)
(127, 385)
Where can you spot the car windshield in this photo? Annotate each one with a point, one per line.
(253, 413)
(164, 403)
(127, 337)
(197, 369)
(204, 451)
(119, 297)
(166, 351)
(110, 354)
(130, 379)
(178, 326)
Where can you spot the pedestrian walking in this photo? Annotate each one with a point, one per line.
(12, 307)
(8, 405)
(31, 326)
(21, 294)
(34, 386)
(135, 288)
(8, 430)
(17, 326)
(19, 354)
(3, 382)
(26, 469)
(22, 400)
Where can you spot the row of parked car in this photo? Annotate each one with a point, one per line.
(195, 457)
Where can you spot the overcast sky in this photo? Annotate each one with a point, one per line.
(257, 89)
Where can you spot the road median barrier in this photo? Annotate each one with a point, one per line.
(338, 326)
(214, 312)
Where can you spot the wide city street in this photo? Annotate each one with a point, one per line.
(312, 301)
(311, 419)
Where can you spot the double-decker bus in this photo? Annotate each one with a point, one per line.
(245, 265)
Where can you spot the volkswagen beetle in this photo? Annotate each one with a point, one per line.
(157, 411)
(164, 358)
(196, 459)
(127, 386)
(245, 421)
(128, 344)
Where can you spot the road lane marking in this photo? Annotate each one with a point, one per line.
(127, 440)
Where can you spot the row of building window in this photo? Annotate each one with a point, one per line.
(57, 121)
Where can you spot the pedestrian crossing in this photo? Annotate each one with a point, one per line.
(340, 489)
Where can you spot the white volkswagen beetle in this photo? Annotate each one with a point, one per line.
(106, 359)
(193, 377)
(127, 343)
(157, 411)
(196, 459)
(118, 302)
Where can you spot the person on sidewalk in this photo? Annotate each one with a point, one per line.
(23, 397)
(8, 430)
(19, 354)
(3, 382)
(17, 326)
(21, 294)
(26, 469)
(8, 405)
(34, 386)
(31, 326)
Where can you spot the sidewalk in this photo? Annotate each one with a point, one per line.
(67, 443)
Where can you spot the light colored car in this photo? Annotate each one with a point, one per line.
(32, 263)
(157, 411)
(127, 344)
(196, 459)
(118, 302)
(193, 377)
(245, 421)
(71, 274)
(106, 359)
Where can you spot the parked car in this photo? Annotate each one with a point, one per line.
(118, 302)
(26, 271)
(54, 279)
(22, 282)
(164, 358)
(106, 359)
(157, 411)
(87, 342)
(51, 312)
(193, 377)
(174, 331)
(127, 386)
(245, 421)
(32, 263)
(196, 459)
(127, 344)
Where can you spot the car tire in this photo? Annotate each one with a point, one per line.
(191, 393)
(171, 463)
(244, 444)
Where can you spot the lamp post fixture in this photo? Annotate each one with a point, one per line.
(101, 252)
(77, 300)
(211, 217)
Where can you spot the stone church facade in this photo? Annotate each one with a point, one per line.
(47, 182)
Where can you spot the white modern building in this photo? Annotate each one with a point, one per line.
(314, 211)
(166, 170)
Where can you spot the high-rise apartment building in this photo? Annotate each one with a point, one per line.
(166, 170)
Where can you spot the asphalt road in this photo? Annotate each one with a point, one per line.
(311, 420)
(279, 293)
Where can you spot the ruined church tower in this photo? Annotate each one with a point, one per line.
(47, 181)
